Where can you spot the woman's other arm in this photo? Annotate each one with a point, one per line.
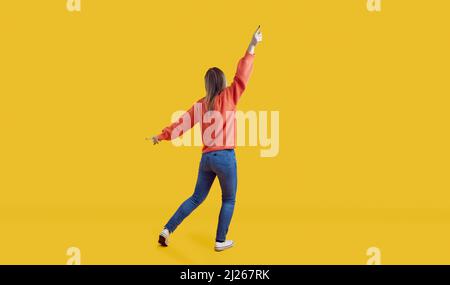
(182, 125)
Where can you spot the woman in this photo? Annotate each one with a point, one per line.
(215, 112)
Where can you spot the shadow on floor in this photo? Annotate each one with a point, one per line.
(202, 240)
(174, 253)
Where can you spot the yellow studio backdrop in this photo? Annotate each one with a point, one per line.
(363, 100)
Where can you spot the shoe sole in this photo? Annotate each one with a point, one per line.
(162, 241)
(223, 248)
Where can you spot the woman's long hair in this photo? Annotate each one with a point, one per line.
(215, 82)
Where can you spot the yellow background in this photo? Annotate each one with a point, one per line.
(363, 100)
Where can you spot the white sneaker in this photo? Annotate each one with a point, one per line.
(164, 237)
(220, 246)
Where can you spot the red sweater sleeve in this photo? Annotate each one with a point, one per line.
(183, 124)
(243, 72)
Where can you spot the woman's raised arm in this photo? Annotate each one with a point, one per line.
(244, 70)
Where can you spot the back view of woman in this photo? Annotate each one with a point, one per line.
(215, 113)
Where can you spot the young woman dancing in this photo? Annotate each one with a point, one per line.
(215, 113)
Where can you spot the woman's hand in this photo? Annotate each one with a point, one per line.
(154, 139)
(256, 38)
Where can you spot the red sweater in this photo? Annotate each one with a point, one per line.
(218, 126)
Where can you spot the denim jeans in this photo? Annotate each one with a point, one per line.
(221, 163)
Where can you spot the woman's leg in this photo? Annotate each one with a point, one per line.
(226, 171)
(204, 181)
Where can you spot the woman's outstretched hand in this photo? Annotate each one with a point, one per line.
(256, 38)
(154, 139)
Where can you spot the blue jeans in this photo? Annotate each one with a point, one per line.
(221, 163)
